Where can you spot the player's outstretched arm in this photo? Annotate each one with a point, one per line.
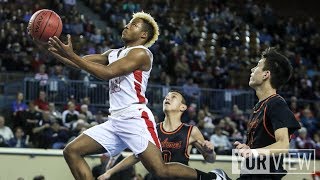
(98, 58)
(206, 148)
(122, 165)
(280, 146)
(136, 59)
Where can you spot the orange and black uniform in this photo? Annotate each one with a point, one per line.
(175, 143)
(268, 116)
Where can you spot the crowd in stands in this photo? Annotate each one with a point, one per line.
(39, 124)
(213, 44)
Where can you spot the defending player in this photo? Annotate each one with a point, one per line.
(272, 122)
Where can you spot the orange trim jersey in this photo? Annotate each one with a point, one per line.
(268, 116)
(175, 143)
(128, 89)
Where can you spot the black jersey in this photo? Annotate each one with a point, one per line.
(175, 144)
(269, 115)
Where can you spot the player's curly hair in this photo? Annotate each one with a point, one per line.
(151, 27)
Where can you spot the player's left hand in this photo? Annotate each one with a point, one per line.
(207, 146)
(59, 49)
(105, 176)
(243, 149)
(239, 145)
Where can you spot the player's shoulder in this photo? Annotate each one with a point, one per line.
(188, 126)
(107, 52)
(194, 129)
(140, 49)
(277, 100)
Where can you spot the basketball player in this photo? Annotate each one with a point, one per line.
(272, 122)
(176, 137)
(131, 123)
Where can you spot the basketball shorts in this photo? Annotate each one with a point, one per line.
(132, 127)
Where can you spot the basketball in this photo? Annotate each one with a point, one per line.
(44, 24)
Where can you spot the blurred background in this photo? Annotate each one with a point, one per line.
(206, 49)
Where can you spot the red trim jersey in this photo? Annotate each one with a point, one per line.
(128, 89)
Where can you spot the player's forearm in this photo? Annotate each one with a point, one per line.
(97, 58)
(124, 164)
(275, 148)
(93, 68)
(68, 62)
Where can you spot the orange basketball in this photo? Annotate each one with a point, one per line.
(44, 24)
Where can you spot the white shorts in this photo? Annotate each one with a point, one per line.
(132, 127)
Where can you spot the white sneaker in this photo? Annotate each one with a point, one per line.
(221, 175)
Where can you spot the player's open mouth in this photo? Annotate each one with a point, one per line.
(166, 102)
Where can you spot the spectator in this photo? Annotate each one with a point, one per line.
(309, 121)
(42, 103)
(19, 140)
(55, 114)
(192, 90)
(42, 77)
(86, 113)
(86, 100)
(316, 138)
(70, 115)
(99, 118)
(57, 82)
(294, 108)
(221, 142)
(39, 130)
(31, 118)
(303, 141)
(18, 108)
(205, 123)
(5, 131)
(56, 136)
(18, 105)
(182, 66)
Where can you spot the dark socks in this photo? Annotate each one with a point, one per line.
(205, 176)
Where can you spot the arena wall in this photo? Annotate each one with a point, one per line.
(27, 163)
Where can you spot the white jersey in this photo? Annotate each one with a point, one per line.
(128, 89)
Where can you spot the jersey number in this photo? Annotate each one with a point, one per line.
(166, 155)
(115, 85)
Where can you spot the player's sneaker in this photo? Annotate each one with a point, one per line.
(221, 175)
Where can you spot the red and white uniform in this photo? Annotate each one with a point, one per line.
(128, 89)
(131, 123)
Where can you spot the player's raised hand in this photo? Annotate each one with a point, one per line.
(59, 49)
